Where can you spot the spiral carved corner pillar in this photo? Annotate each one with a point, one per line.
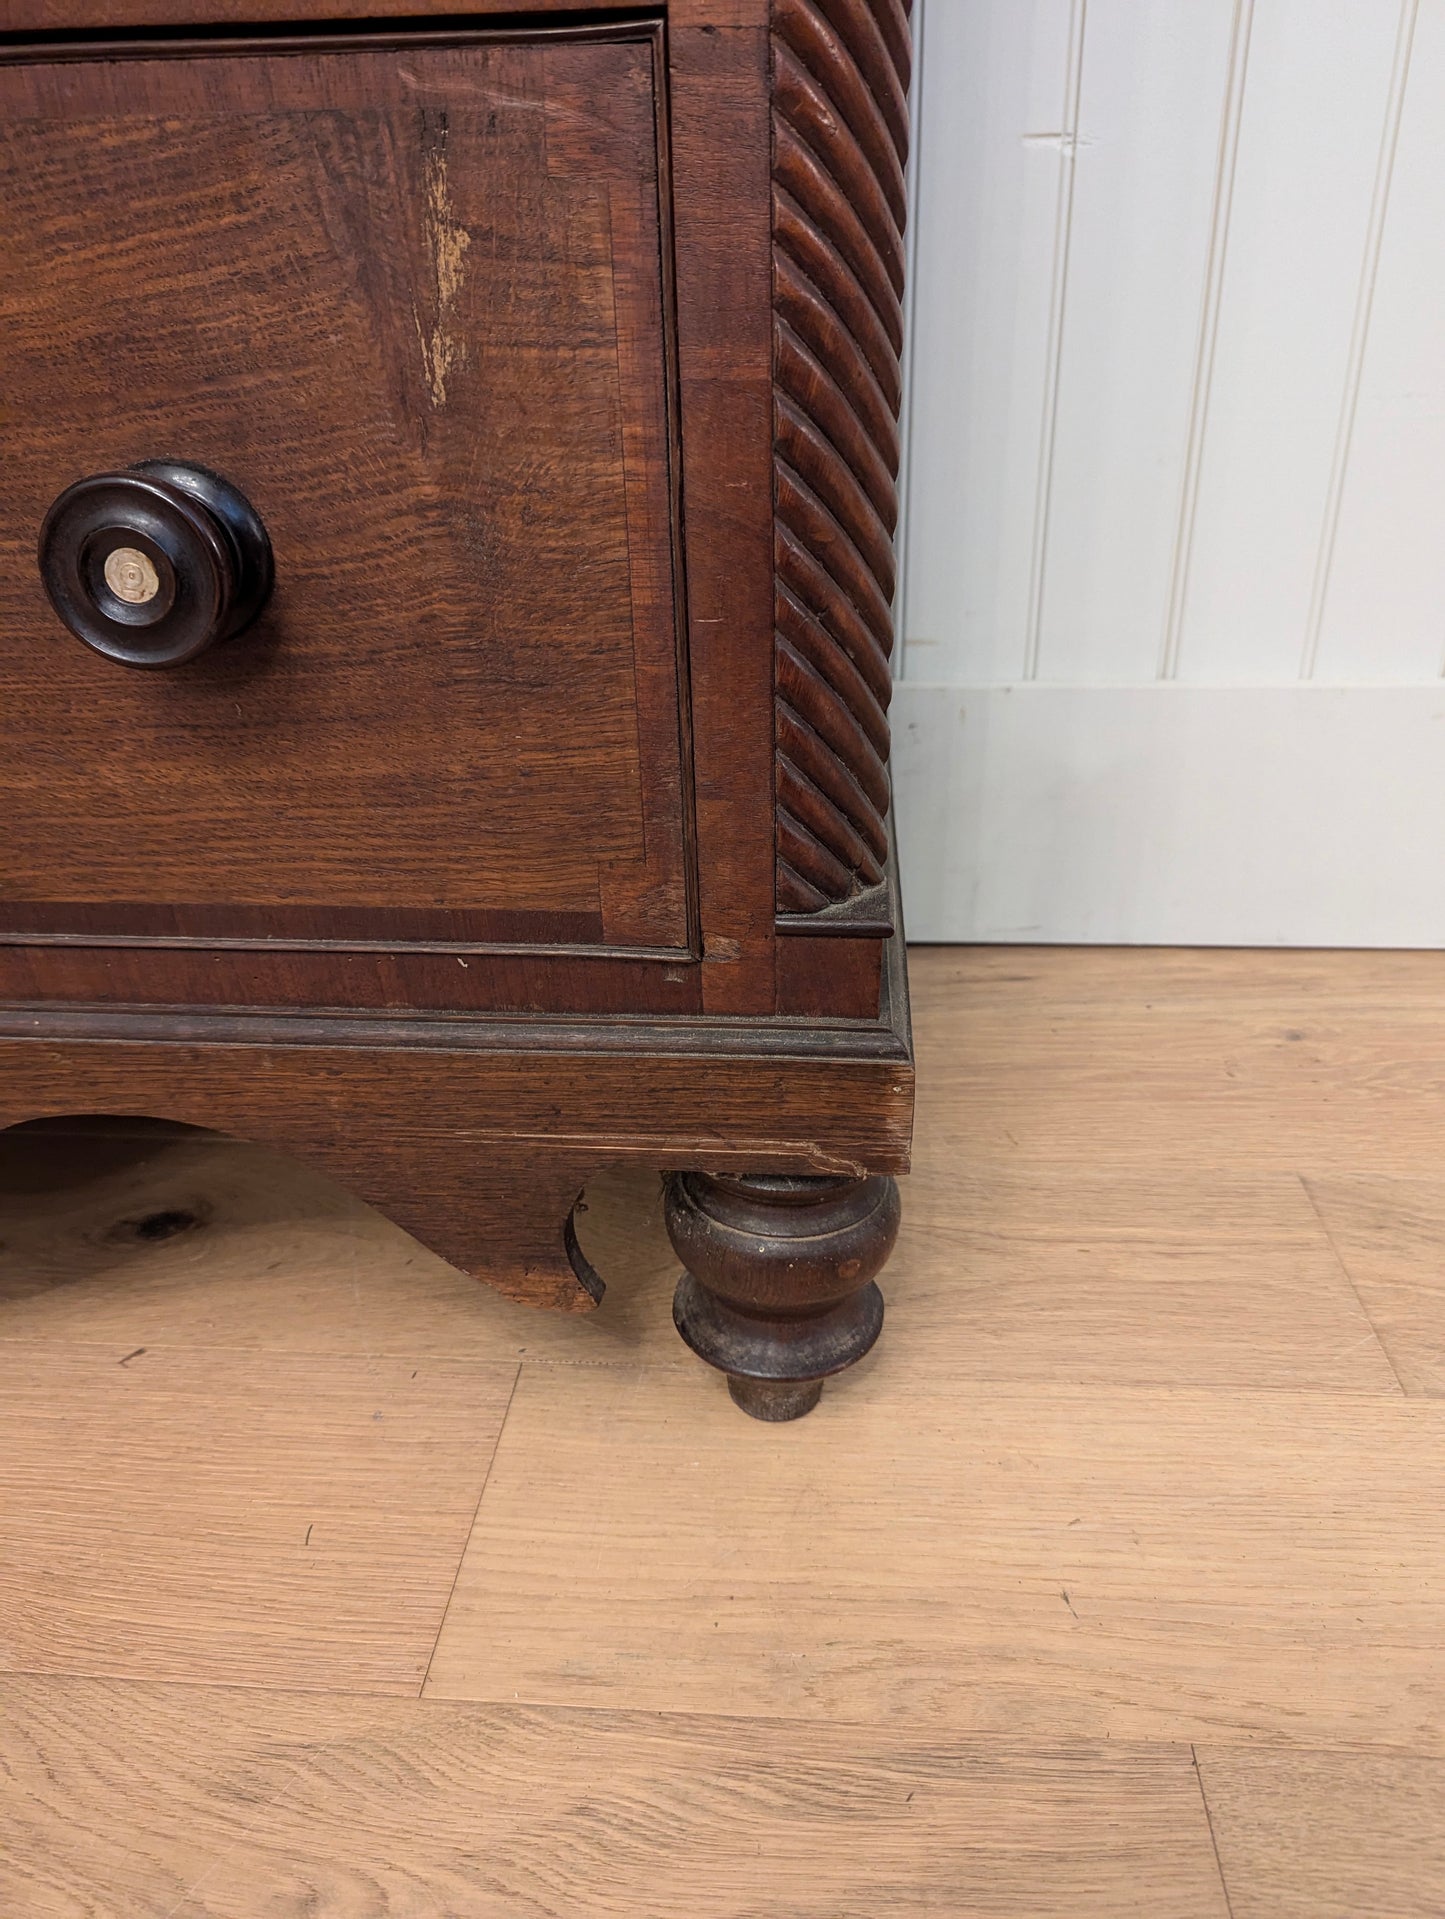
(840, 146)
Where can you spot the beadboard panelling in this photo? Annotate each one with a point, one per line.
(1169, 814)
(1176, 472)
(1384, 608)
(1178, 399)
(1152, 94)
(1314, 104)
(991, 108)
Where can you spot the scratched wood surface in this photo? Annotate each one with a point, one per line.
(412, 306)
(1110, 1583)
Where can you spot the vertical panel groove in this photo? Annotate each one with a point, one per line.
(1063, 225)
(911, 298)
(1230, 121)
(1359, 335)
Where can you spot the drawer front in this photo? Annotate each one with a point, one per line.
(410, 300)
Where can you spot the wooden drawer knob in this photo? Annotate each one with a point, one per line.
(152, 566)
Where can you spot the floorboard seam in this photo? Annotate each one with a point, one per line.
(1343, 1265)
(471, 1528)
(1213, 1840)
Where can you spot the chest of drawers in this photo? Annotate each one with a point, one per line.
(445, 568)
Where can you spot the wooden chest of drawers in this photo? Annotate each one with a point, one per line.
(445, 568)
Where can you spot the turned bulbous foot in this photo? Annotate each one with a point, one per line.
(778, 1292)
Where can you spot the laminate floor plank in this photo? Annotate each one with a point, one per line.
(1054, 1560)
(1147, 1060)
(1390, 1237)
(138, 1800)
(192, 1239)
(1125, 1279)
(236, 1518)
(1151, 1453)
(1037, 982)
(1328, 1835)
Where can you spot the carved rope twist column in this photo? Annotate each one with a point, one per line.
(840, 145)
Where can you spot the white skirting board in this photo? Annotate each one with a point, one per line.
(1171, 814)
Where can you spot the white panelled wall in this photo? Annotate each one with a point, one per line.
(1173, 581)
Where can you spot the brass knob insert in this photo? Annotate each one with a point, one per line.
(130, 576)
(153, 565)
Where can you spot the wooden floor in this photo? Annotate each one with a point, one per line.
(1113, 1583)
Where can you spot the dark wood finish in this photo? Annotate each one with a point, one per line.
(840, 145)
(477, 1135)
(153, 566)
(414, 308)
(719, 90)
(557, 351)
(778, 1291)
(449, 980)
(842, 977)
(103, 17)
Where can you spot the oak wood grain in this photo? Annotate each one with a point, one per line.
(141, 1799)
(1389, 1235)
(1045, 1560)
(1254, 1558)
(1132, 1278)
(1122, 1281)
(205, 1517)
(1299, 1062)
(1146, 1274)
(1327, 1835)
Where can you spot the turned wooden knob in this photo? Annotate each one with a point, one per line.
(152, 566)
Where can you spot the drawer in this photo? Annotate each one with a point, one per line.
(409, 298)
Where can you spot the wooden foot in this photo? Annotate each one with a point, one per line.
(778, 1292)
